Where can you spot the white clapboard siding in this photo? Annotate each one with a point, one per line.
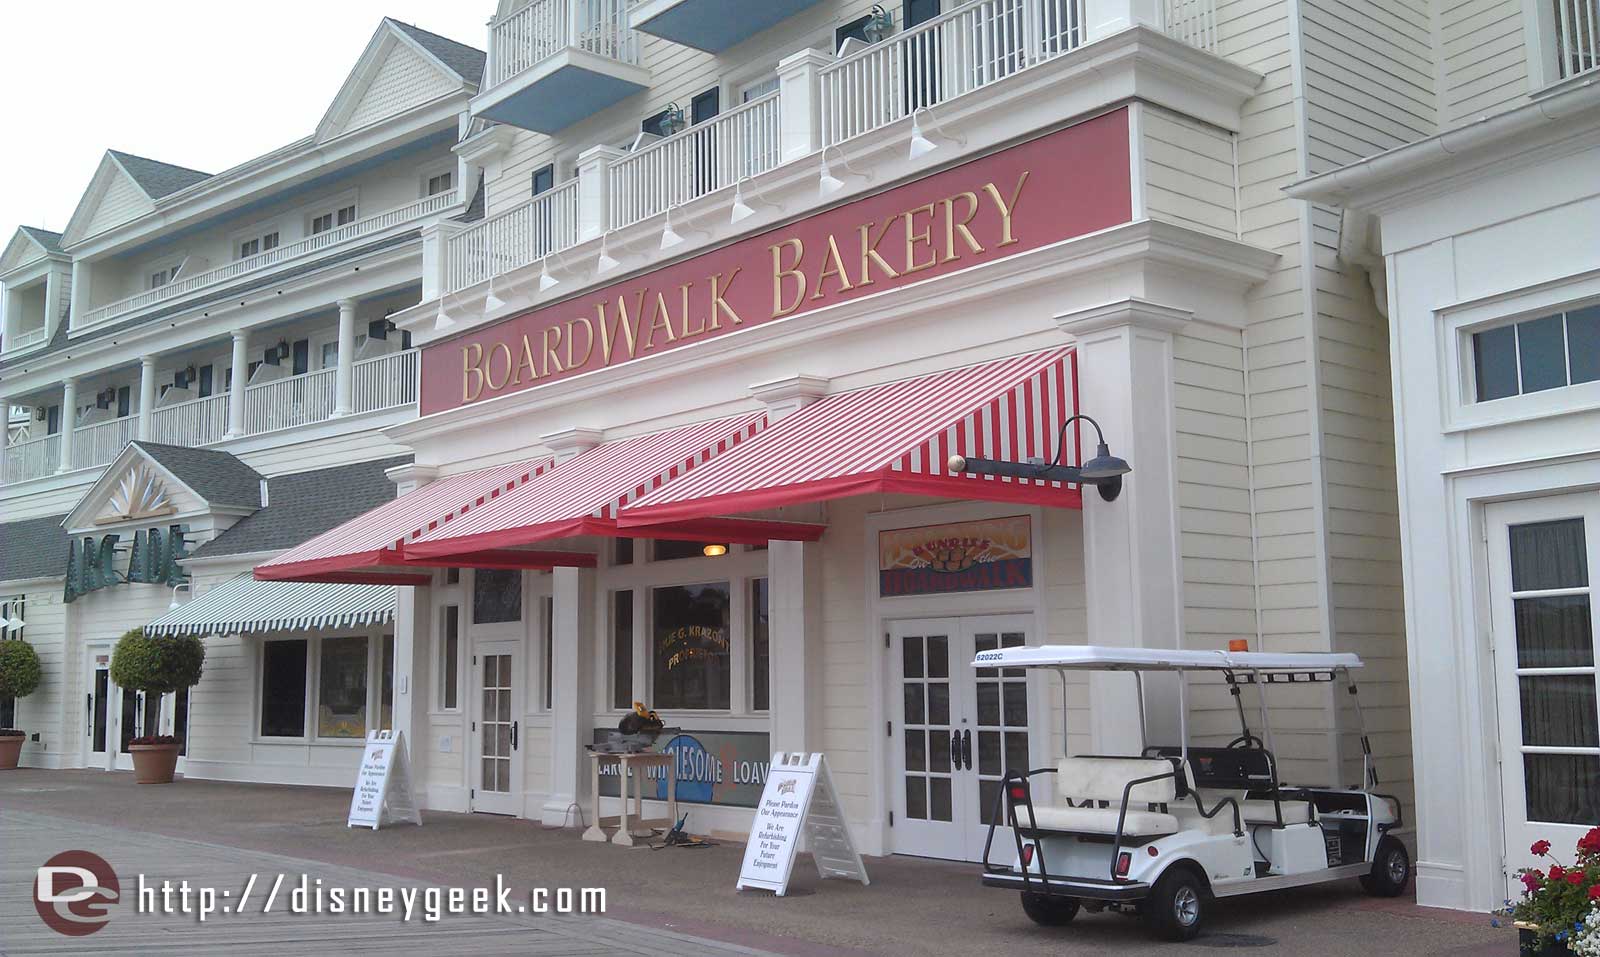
(1188, 172)
(120, 202)
(41, 712)
(405, 80)
(1485, 59)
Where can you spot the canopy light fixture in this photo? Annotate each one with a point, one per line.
(492, 302)
(606, 262)
(14, 624)
(1104, 471)
(671, 237)
(827, 183)
(920, 144)
(715, 550)
(743, 210)
(547, 282)
(442, 320)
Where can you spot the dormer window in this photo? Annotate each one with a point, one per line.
(334, 219)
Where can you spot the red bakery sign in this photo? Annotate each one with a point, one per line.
(1065, 184)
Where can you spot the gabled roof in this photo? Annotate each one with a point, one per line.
(29, 244)
(44, 237)
(306, 504)
(156, 178)
(391, 63)
(218, 477)
(33, 548)
(464, 61)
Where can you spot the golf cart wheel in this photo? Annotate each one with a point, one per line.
(1049, 911)
(1176, 905)
(1391, 869)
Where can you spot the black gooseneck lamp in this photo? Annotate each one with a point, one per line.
(1104, 471)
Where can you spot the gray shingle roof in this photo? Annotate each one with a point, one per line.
(33, 548)
(467, 62)
(156, 178)
(305, 504)
(216, 476)
(44, 237)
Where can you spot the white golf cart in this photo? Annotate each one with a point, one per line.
(1164, 832)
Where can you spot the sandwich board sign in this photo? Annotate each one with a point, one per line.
(799, 800)
(383, 784)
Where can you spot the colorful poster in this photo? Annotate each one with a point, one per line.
(957, 557)
(714, 767)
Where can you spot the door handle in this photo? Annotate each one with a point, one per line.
(513, 736)
(88, 713)
(955, 750)
(966, 749)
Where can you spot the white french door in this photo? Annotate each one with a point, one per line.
(497, 706)
(1544, 559)
(955, 731)
(100, 728)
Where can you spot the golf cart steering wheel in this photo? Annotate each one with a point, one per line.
(1246, 740)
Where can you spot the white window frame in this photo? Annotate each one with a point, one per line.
(330, 206)
(438, 168)
(441, 609)
(1455, 326)
(313, 679)
(153, 266)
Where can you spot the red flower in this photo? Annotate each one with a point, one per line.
(1540, 848)
(1575, 878)
(1532, 879)
(1594, 893)
(1556, 870)
(1590, 842)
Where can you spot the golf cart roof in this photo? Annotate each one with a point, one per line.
(1108, 658)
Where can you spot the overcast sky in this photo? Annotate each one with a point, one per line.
(206, 85)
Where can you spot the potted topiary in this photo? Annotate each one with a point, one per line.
(156, 666)
(19, 676)
(1559, 912)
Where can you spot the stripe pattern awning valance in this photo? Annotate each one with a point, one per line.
(246, 606)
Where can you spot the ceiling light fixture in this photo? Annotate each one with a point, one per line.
(715, 550)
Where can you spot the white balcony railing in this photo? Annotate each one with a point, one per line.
(543, 28)
(99, 443)
(192, 423)
(25, 338)
(970, 47)
(1577, 28)
(285, 403)
(521, 235)
(705, 157)
(361, 228)
(384, 382)
(31, 459)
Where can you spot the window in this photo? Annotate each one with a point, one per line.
(496, 596)
(758, 89)
(452, 576)
(622, 551)
(124, 401)
(450, 657)
(161, 277)
(342, 688)
(205, 379)
(544, 178)
(622, 650)
(440, 183)
(8, 712)
(760, 647)
(257, 244)
(386, 684)
(662, 550)
(549, 651)
(689, 647)
(339, 217)
(330, 355)
(301, 351)
(1537, 354)
(283, 688)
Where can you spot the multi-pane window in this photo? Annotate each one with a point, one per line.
(283, 688)
(332, 680)
(161, 277)
(440, 183)
(342, 688)
(622, 649)
(1537, 354)
(760, 646)
(450, 658)
(689, 646)
(496, 596)
(257, 244)
(330, 220)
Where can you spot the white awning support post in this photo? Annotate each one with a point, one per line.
(572, 692)
(794, 571)
(1131, 547)
(413, 638)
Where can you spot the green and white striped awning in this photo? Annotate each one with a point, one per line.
(246, 606)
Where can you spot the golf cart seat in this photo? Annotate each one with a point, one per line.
(1263, 811)
(1095, 786)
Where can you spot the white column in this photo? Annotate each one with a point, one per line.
(413, 640)
(794, 571)
(1131, 549)
(594, 211)
(572, 690)
(800, 103)
(343, 384)
(147, 396)
(69, 421)
(81, 284)
(1105, 17)
(52, 301)
(241, 374)
(436, 258)
(8, 310)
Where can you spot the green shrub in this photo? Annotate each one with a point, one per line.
(19, 669)
(144, 663)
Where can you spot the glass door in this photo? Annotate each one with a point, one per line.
(496, 729)
(99, 728)
(1544, 557)
(956, 731)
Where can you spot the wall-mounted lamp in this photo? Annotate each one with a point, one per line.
(1104, 471)
(283, 348)
(715, 550)
(606, 262)
(879, 23)
(175, 603)
(672, 120)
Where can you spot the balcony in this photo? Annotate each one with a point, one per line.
(263, 263)
(712, 25)
(518, 237)
(377, 384)
(555, 62)
(26, 338)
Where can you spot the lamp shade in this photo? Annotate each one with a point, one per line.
(1104, 465)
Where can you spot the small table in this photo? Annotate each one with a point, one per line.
(638, 763)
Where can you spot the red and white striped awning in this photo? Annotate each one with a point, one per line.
(369, 548)
(895, 437)
(582, 497)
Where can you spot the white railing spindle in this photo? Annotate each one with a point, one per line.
(385, 382)
(514, 238)
(286, 403)
(32, 459)
(192, 423)
(99, 443)
(543, 28)
(1577, 26)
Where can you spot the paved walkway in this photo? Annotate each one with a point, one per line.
(912, 906)
(30, 839)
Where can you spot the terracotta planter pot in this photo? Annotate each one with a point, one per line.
(10, 751)
(154, 763)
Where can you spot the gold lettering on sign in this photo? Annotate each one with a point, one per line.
(660, 318)
(552, 339)
(525, 361)
(498, 348)
(1006, 207)
(574, 361)
(471, 355)
(870, 254)
(684, 331)
(913, 237)
(719, 304)
(780, 273)
(952, 225)
(832, 265)
(608, 332)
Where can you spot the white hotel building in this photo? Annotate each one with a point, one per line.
(687, 375)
